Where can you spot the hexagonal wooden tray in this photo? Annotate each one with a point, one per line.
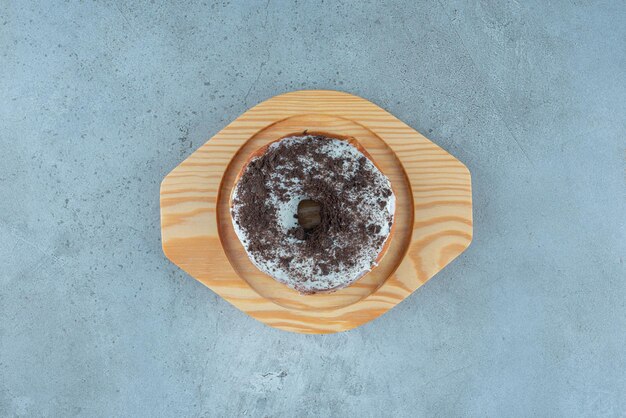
(433, 212)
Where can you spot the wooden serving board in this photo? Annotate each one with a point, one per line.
(433, 220)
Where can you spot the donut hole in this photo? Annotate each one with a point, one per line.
(309, 214)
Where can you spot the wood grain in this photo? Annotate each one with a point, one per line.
(433, 215)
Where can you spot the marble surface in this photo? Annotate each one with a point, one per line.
(99, 100)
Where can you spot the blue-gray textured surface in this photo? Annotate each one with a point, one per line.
(99, 100)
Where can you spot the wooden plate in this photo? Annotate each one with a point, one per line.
(433, 221)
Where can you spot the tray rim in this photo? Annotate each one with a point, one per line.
(402, 220)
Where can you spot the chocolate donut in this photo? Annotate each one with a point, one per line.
(350, 200)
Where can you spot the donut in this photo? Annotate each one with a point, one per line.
(312, 211)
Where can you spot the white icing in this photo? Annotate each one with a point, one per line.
(308, 267)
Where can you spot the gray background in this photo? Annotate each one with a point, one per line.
(99, 100)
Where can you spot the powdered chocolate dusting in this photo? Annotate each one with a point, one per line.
(356, 212)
